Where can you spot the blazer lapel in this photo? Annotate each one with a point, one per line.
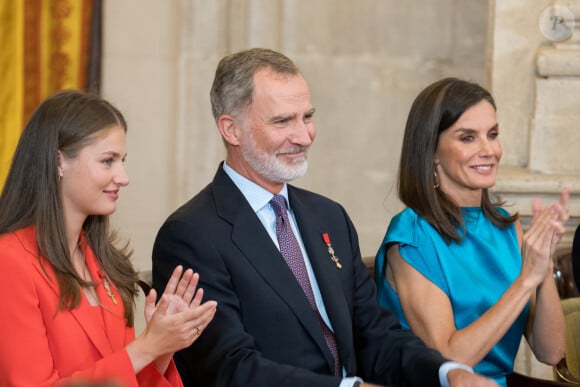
(113, 313)
(251, 238)
(84, 313)
(311, 225)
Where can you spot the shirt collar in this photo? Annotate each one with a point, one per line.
(256, 196)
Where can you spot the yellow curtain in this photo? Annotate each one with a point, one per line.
(45, 48)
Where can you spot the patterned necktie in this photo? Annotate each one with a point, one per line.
(293, 256)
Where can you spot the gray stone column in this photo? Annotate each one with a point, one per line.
(535, 75)
(536, 80)
(208, 31)
(555, 126)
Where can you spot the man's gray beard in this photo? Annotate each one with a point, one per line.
(272, 168)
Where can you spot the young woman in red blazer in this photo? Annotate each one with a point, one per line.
(68, 291)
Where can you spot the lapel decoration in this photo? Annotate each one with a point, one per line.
(333, 257)
(107, 287)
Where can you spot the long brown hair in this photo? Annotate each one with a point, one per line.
(64, 122)
(434, 110)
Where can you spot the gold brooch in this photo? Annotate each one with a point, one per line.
(108, 290)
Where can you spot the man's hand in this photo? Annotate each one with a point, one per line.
(463, 378)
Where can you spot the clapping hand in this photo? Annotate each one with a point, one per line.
(542, 238)
(179, 317)
(180, 292)
(561, 210)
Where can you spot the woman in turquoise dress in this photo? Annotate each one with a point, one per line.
(455, 267)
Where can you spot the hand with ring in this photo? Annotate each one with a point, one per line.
(179, 317)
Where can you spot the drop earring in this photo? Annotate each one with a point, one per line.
(436, 178)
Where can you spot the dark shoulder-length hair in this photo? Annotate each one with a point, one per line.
(434, 110)
(65, 122)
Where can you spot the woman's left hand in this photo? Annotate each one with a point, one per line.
(182, 293)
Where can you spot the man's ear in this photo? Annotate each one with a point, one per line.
(229, 129)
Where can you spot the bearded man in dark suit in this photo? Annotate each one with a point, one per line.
(296, 304)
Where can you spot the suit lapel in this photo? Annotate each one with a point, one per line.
(312, 226)
(249, 235)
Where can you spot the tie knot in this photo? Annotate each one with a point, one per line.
(278, 203)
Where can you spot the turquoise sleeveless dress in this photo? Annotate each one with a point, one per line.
(474, 274)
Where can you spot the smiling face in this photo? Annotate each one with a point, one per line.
(277, 131)
(468, 154)
(91, 180)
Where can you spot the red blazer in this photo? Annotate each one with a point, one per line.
(40, 347)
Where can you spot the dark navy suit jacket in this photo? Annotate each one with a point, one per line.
(264, 332)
